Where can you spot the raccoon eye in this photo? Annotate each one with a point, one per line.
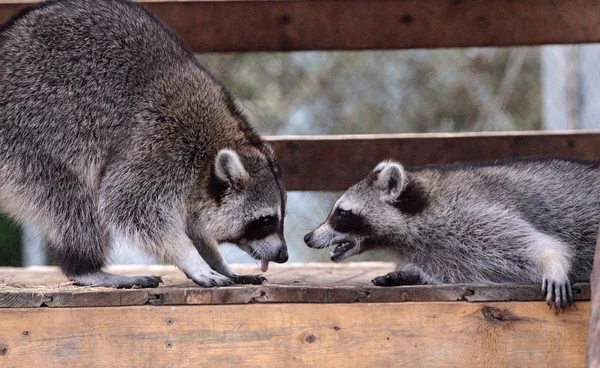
(349, 222)
(340, 214)
(261, 228)
(267, 221)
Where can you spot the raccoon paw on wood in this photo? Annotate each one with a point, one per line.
(398, 278)
(248, 279)
(210, 278)
(105, 279)
(558, 292)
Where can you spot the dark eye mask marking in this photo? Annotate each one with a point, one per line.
(261, 228)
(348, 222)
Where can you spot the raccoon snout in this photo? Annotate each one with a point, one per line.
(307, 238)
(282, 257)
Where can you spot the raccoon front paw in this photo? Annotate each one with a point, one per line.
(105, 279)
(248, 279)
(558, 292)
(211, 279)
(147, 281)
(397, 278)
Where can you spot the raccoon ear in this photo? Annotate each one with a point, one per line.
(390, 179)
(229, 168)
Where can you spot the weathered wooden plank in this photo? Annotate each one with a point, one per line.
(196, 295)
(312, 294)
(336, 162)
(593, 345)
(74, 298)
(294, 283)
(297, 335)
(104, 298)
(25, 299)
(477, 293)
(270, 293)
(284, 25)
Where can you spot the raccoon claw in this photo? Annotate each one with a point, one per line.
(248, 279)
(558, 293)
(397, 278)
(150, 281)
(211, 279)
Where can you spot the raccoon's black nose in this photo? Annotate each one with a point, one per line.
(283, 256)
(307, 237)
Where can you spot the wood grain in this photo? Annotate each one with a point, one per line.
(434, 334)
(294, 283)
(23, 299)
(285, 25)
(105, 298)
(335, 162)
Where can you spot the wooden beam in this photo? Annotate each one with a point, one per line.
(270, 293)
(297, 335)
(335, 162)
(294, 283)
(285, 25)
(593, 345)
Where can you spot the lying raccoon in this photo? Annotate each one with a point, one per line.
(512, 222)
(110, 130)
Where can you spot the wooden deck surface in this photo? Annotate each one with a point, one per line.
(307, 315)
(292, 283)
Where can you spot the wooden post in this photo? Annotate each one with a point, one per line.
(593, 343)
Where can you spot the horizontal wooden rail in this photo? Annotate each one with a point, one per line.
(335, 162)
(285, 25)
(290, 283)
(433, 334)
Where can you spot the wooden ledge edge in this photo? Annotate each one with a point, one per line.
(273, 293)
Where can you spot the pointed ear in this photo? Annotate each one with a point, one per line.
(229, 168)
(390, 179)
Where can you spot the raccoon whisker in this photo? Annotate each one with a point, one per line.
(323, 251)
(255, 253)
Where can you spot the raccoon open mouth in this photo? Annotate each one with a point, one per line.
(343, 250)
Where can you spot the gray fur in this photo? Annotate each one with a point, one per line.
(110, 129)
(530, 221)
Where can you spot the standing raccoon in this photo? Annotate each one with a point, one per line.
(530, 221)
(111, 131)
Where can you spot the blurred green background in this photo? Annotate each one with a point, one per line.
(10, 243)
